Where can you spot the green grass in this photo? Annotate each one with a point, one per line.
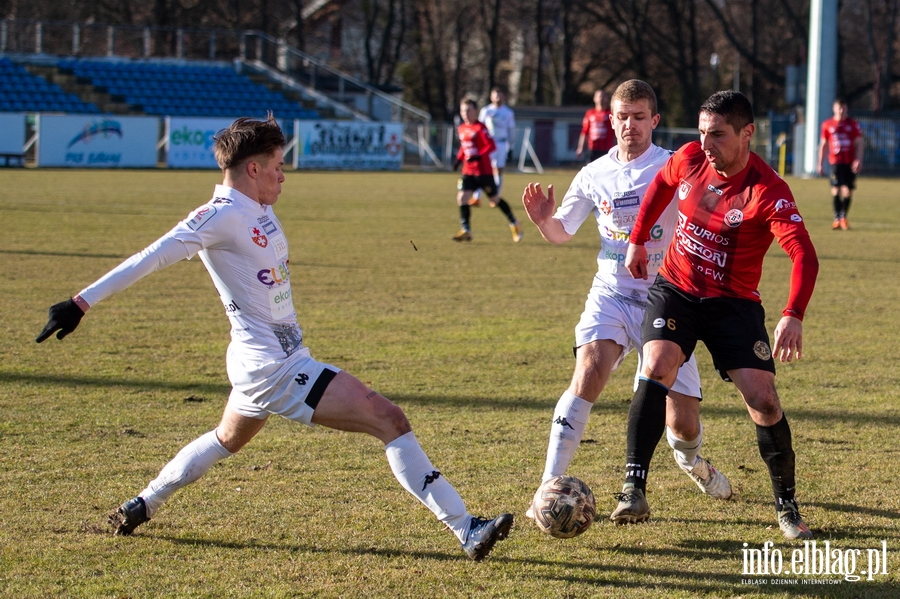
(473, 341)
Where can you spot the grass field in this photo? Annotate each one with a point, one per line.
(473, 341)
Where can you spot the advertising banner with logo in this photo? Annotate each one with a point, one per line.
(97, 141)
(352, 145)
(191, 141)
(12, 133)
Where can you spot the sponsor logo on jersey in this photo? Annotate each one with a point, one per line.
(263, 219)
(700, 232)
(734, 218)
(625, 199)
(200, 217)
(796, 218)
(222, 201)
(614, 235)
(762, 351)
(783, 204)
(232, 309)
(684, 189)
(659, 323)
(714, 189)
(269, 228)
(604, 207)
(274, 276)
(257, 236)
(687, 244)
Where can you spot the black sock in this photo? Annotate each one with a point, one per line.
(777, 452)
(504, 207)
(838, 205)
(646, 425)
(846, 205)
(464, 212)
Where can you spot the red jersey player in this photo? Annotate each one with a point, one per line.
(844, 140)
(731, 205)
(596, 128)
(475, 147)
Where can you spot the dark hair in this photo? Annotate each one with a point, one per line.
(499, 88)
(634, 90)
(245, 138)
(733, 106)
(840, 100)
(469, 102)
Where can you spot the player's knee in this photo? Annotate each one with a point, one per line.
(391, 417)
(764, 401)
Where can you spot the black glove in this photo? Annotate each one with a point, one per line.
(473, 158)
(456, 164)
(64, 317)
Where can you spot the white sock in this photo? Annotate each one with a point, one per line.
(477, 194)
(499, 181)
(191, 463)
(569, 421)
(414, 471)
(686, 452)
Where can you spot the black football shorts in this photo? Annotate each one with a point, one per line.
(733, 329)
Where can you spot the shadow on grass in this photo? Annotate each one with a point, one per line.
(600, 575)
(542, 405)
(62, 254)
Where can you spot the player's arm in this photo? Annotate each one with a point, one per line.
(178, 244)
(793, 237)
(823, 143)
(540, 209)
(660, 194)
(859, 148)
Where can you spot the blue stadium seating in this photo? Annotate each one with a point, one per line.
(166, 89)
(20, 91)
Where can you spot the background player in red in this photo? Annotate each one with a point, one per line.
(596, 129)
(731, 205)
(475, 147)
(844, 140)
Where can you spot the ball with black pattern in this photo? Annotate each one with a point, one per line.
(563, 507)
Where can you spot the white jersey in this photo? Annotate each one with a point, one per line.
(500, 121)
(613, 191)
(244, 248)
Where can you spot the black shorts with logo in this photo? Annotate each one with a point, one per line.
(485, 183)
(733, 329)
(842, 175)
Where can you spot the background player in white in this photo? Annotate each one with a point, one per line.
(501, 123)
(244, 248)
(612, 188)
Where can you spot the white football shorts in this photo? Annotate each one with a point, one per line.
(290, 388)
(606, 317)
(498, 157)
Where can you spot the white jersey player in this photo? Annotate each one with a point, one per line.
(501, 123)
(611, 188)
(244, 248)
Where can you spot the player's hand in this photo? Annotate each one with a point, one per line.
(509, 155)
(64, 317)
(456, 164)
(636, 261)
(788, 339)
(856, 167)
(538, 206)
(473, 158)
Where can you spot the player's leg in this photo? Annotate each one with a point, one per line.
(684, 433)
(349, 405)
(836, 201)
(462, 200)
(773, 435)
(490, 188)
(847, 186)
(192, 462)
(594, 362)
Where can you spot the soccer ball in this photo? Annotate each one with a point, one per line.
(563, 507)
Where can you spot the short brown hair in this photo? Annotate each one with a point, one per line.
(246, 137)
(634, 90)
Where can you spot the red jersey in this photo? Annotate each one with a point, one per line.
(841, 138)
(598, 130)
(475, 140)
(725, 227)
